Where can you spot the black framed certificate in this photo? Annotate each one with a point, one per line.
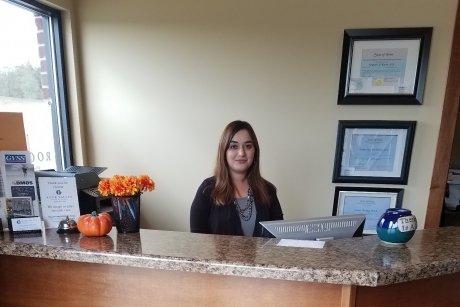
(373, 151)
(372, 202)
(384, 66)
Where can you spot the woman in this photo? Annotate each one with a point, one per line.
(236, 198)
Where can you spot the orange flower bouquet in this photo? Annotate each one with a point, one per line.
(120, 186)
(125, 192)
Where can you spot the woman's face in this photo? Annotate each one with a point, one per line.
(240, 153)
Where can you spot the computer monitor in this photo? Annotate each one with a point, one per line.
(321, 228)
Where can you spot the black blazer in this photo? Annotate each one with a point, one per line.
(206, 217)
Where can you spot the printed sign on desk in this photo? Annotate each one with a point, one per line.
(59, 199)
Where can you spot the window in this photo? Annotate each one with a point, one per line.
(32, 79)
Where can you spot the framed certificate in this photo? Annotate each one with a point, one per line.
(384, 66)
(372, 202)
(373, 151)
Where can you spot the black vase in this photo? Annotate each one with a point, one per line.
(126, 213)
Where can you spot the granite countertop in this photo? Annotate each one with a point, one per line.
(355, 261)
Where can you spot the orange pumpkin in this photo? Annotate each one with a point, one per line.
(95, 225)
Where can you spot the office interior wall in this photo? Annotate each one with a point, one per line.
(162, 78)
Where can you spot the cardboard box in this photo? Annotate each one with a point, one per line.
(12, 134)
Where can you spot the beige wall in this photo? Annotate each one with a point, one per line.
(161, 79)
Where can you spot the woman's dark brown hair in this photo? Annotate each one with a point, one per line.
(224, 190)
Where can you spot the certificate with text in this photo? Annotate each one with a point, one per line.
(384, 67)
(371, 204)
(373, 152)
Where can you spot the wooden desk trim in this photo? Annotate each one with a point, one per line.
(44, 282)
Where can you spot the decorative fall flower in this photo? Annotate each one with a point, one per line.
(125, 185)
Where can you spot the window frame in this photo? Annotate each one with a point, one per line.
(63, 124)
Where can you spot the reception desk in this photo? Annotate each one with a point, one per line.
(164, 268)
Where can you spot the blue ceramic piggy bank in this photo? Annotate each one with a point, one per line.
(396, 226)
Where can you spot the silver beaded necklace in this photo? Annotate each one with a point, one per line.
(246, 212)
